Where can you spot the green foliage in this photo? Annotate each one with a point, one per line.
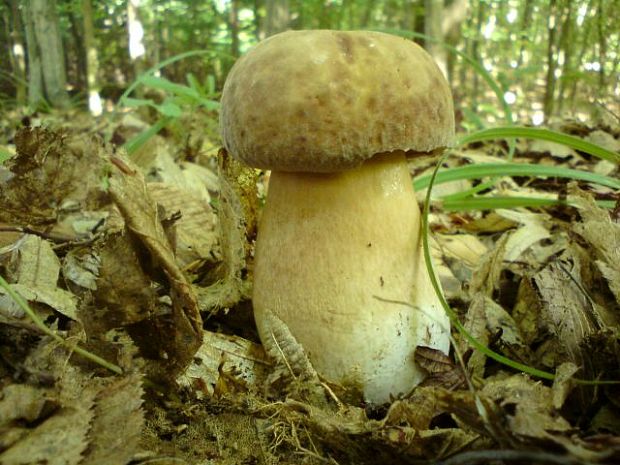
(176, 99)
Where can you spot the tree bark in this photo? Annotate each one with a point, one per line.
(433, 29)
(278, 16)
(47, 36)
(92, 60)
(36, 94)
(233, 26)
(552, 23)
(17, 52)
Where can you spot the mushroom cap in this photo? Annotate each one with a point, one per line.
(323, 101)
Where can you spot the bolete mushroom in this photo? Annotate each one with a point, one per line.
(338, 258)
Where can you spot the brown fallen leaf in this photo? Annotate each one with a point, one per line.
(442, 371)
(117, 423)
(174, 338)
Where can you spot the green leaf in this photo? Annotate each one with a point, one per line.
(138, 141)
(170, 87)
(159, 66)
(136, 102)
(170, 109)
(482, 170)
(4, 155)
(541, 134)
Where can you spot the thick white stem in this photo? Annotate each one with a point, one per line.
(338, 259)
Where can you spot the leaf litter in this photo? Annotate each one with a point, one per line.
(148, 263)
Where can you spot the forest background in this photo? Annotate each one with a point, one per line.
(550, 58)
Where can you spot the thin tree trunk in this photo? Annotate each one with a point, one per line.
(566, 49)
(432, 28)
(585, 42)
(233, 26)
(602, 48)
(47, 36)
(17, 52)
(526, 19)
(79, 51)
(36, 94)
(278, 16)
(551, 62)
(136, 36)
(92, 60)
(475, 53)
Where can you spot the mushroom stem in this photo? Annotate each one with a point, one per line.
(334, 253)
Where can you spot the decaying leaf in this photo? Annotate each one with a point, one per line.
(179, 334)
(532, 229)
(527, 405)
(241, 363)
(36, 277)
(442, 371)
(568, 313)
(57, 437)
(53, 175)
(563, 383)
(196, 235)
(237, 221)
(486, 276)
(117, 423)
(293, 366)
(603, 236)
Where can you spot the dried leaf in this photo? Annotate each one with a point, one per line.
(117, 425)
(37, 270)
(442, 371)
(178, 336)
(533, 229)
(244, 363)
(486, 276)
(528, 406)
(196, 235)
(60, 438)
(50, 171)
(603, 236)
(567, 312)
(563, 383)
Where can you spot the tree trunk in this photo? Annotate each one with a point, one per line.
(92, 60)
(475, 54)
(566, 48)
(432, 28)
(526, 19)
(136, 36)
(36, 95)
(233, 26)
(47, 37)
(278, 16)
(585, 42)
(551, 62)
(601, 18)
(76, 69)
(17, 53)
(451, 22)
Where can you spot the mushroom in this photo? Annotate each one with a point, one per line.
(338, 257)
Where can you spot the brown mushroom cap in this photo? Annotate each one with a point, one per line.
(321, 101)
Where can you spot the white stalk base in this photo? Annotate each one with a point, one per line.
(330, 247)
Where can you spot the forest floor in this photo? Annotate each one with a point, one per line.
(137, 343)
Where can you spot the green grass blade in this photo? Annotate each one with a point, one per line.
(452, 315)
(492, 203)
(138, 141)
(541, 134)
(159, 66)
(43, 327)
(482, 170)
